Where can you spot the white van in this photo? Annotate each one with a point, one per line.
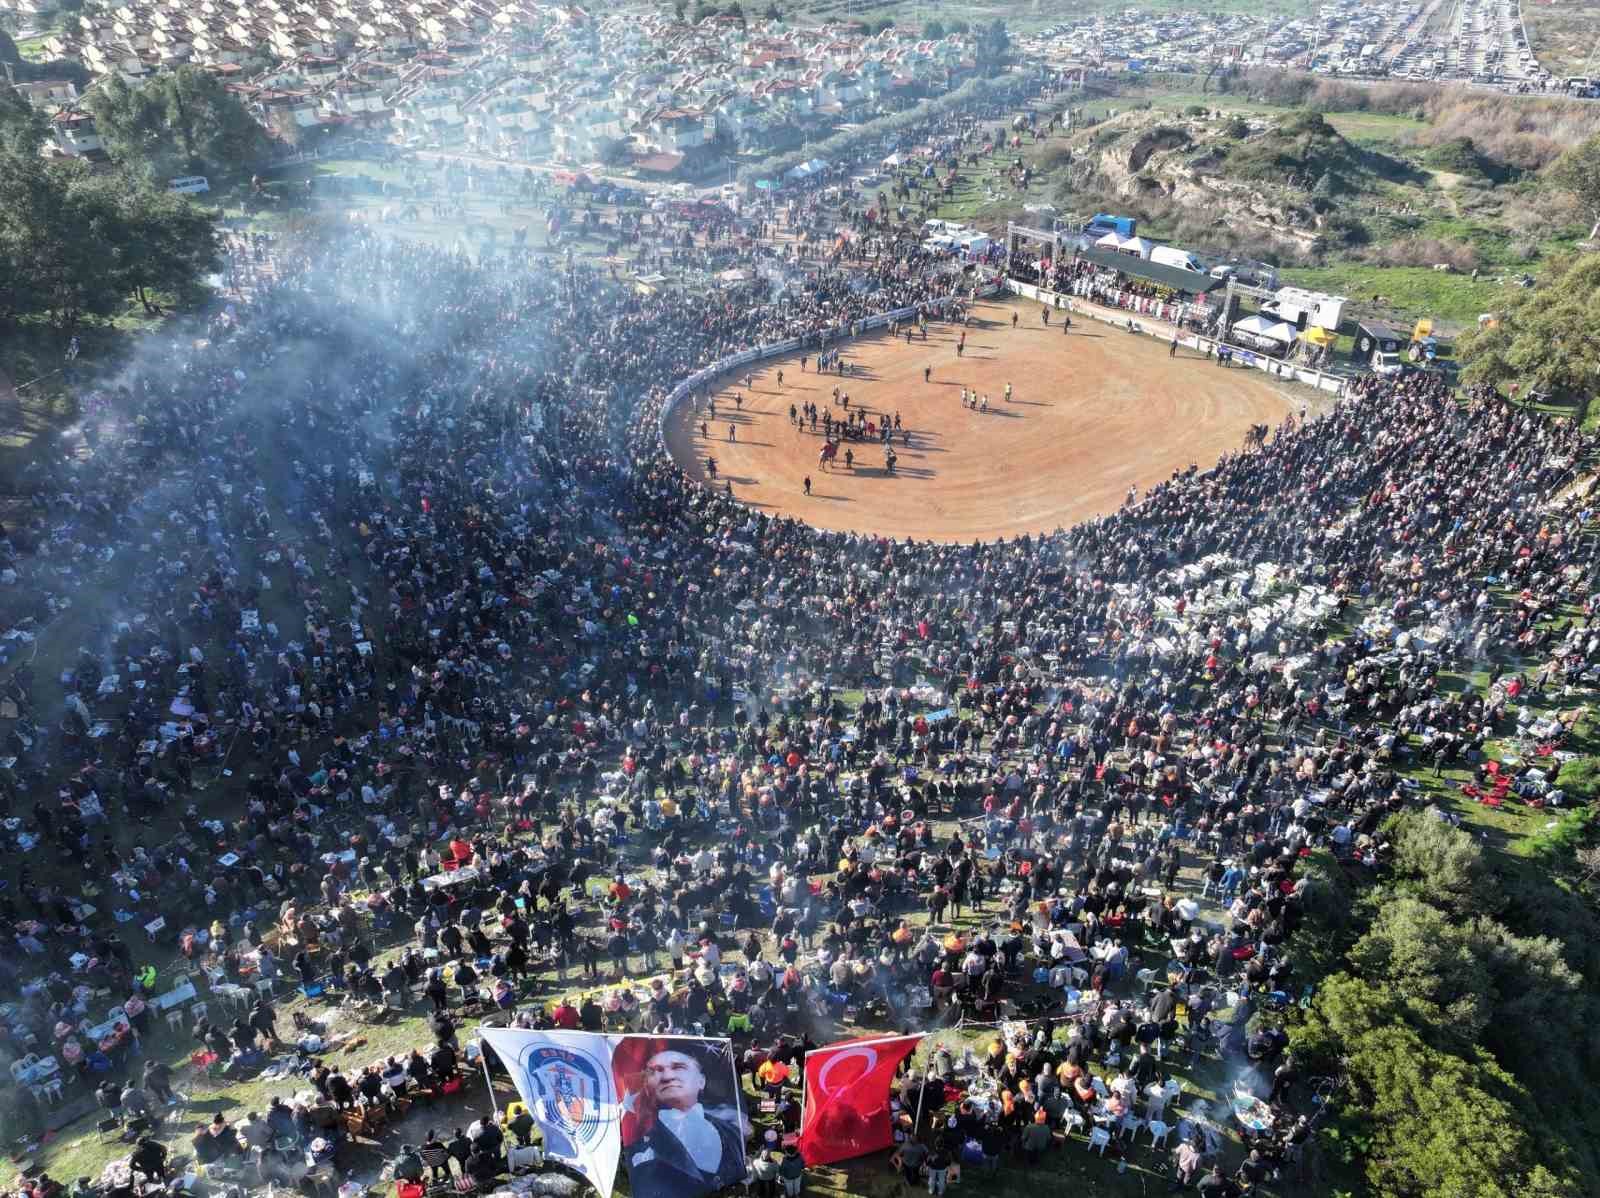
(189, 185)
(1170, 255)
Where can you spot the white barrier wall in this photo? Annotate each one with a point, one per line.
(1319, 379)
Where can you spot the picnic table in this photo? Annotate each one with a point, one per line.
(175, 997)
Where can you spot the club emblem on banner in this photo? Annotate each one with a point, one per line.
(568, 1087)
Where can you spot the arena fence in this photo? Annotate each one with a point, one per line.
(1320, 379)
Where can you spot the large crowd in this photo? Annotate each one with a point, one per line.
(436, 675)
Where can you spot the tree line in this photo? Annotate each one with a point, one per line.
(78, 241)
(1456, 995)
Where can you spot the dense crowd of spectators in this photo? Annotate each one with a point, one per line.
(398, 620)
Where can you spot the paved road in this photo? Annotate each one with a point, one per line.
(543, 168)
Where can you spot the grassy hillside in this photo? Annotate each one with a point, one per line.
(1300, 150)
(1362, 190)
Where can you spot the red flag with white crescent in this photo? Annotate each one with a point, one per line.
(848, 1087)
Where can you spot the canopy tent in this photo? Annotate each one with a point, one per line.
(1110, 242)
(1136, 245)
(1317, 336)
(1260, 326)
(892, 161)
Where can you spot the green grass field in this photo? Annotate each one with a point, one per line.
(1416, 290)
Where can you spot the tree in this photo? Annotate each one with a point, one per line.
(181, 122)
(22, 128)
(53, 242)
(679, 8)
(934, 30)
(169, 243)
(774, 13)
(74, 244)
(1436, 1124)
(993, 42)
(1578, 171)
(1427, 964)
(735, 10)
(1546, 337)
(1442, 865)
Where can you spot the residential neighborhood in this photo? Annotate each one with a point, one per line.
(517, 81)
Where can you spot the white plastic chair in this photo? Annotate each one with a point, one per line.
(1100, 1088)
(197, 1012)
(176, 1019)
(20, 1069)
(1158, 1133)
(1131, 1124)
(1099, 1138)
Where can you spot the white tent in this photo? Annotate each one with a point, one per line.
(892, 161)
(1110, 241)
(1136, 246)
(1260, 326)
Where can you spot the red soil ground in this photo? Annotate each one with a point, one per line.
(1093, 412)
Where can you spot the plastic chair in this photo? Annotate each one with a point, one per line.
(1099, 1138)
(176, 1020)
(1130, 1126)
(1158, 1133)
(19, 1068)
(197, 1012)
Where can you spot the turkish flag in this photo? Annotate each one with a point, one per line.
(846, 1110)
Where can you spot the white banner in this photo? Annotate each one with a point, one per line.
(566, 1081)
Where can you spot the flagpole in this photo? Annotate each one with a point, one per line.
(738, 1091)
(483, 1059)
(922, 1091)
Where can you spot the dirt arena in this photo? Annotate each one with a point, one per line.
(1093, 412)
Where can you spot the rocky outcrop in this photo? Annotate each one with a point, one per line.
(1182, 163)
